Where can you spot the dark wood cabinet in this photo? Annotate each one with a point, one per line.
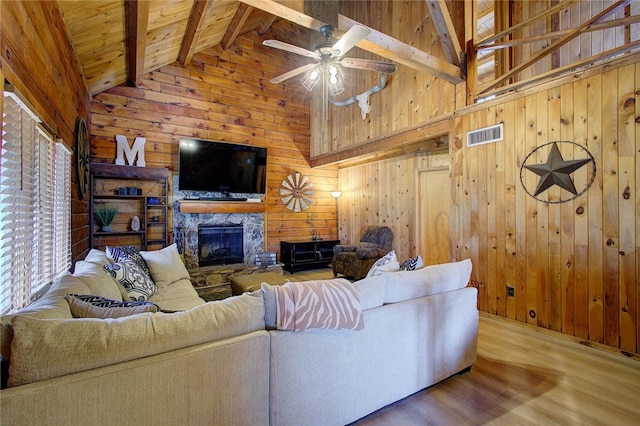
(140, 192)
(306, 254)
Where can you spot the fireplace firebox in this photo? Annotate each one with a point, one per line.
(220, 245)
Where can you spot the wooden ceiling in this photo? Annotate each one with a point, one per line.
(163, 32)
(119, 41)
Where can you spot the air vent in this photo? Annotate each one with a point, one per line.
(485, 135)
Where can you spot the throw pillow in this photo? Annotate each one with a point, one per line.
(89, 306)
(412, 264)
(96, 256)
(387, 263)
(98, 282)
(165, 265)
(120, 254)
(138, 285)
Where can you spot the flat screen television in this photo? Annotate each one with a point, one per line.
(214, 166)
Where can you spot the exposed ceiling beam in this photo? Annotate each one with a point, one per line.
(286, 12)
(137, 20)
(192, 33)
(446, 31)
(376, 42)
(427, 137)
(402, 53)
(266, 24)
(238, 21)
(564, 40)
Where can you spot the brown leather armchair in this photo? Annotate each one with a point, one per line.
(354, 261)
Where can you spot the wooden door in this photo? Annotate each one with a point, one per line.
(433, 204)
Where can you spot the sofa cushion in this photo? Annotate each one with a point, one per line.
(429, 280)
(137, 283)
(371, 291)
(177, 296)
(269, 294)
(46, 307)
(47, 348)
(98, 281)
(165, 265)
(124, 253)
(88, 306)
(387, 263)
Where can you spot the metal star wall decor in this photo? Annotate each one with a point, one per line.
(557, 171)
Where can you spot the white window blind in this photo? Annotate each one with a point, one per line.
(29, 215)
(62, 209)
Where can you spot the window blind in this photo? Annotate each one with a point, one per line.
(62, 209)
(28, 211)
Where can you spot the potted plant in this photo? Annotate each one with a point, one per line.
(105, 213)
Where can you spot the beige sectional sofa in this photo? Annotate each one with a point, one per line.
(217, 363)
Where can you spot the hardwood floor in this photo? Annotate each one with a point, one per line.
(526, 377)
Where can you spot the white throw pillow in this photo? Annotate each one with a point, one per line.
(387, 263)
(165, 265)
(96, 256)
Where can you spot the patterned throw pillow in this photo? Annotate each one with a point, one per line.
(387, 263)
(136, 282)
(120, 254)
(412, 264)
(89, 306)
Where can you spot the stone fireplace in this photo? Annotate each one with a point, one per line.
(188, 226)
(220, 245)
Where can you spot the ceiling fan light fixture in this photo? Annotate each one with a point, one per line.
(335, 79)
(311, 78)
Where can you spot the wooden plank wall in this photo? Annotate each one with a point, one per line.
(411, 98)
(384, 193)
(575, 266)
(225, 95)
(38, 60)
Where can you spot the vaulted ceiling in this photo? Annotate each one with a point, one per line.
(119, 41)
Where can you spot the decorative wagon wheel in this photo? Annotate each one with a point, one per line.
(296, 192)
(82, 158)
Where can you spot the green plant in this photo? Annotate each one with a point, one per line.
(105, 213)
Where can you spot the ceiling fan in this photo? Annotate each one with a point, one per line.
(329, 59)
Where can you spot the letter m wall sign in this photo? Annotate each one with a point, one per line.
(123, 149)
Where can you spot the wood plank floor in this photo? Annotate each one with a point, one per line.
(526, 377)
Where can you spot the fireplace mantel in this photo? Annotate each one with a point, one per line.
(198, 206)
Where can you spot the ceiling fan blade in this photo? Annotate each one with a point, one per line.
(292, 73)
(349, 40)
(366, 64)
(291, 48)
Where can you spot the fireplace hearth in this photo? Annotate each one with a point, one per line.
(220, 245)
